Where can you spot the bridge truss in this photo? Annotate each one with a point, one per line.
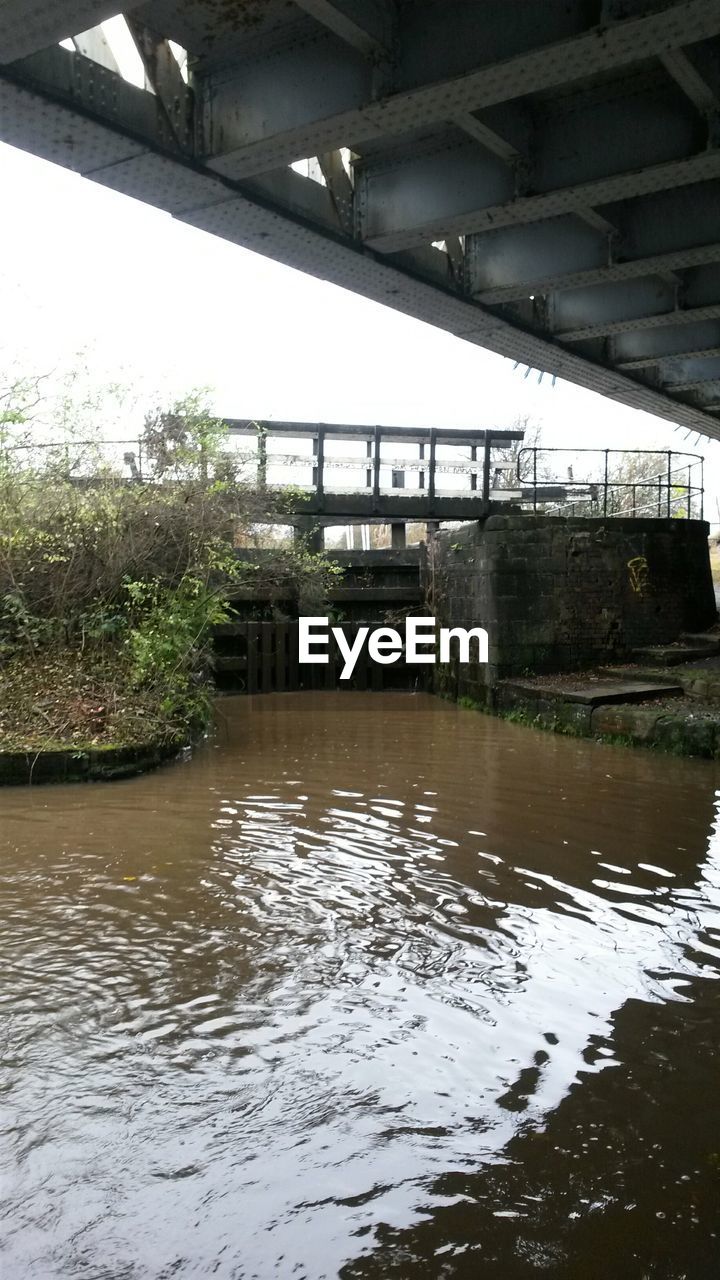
(541, 179)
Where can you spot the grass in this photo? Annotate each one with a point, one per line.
(77, 701)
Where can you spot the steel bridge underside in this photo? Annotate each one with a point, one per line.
(541, 179)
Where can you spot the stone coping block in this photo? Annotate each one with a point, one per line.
(97, 764)
(593, 524)
(684, 733)
(600, 692)
(673, 655)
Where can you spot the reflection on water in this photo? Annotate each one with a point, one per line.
(375, 986)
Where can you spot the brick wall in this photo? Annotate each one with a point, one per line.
(563, 594)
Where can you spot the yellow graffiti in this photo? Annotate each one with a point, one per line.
(639, 574)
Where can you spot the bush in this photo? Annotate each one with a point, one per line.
(135, 571)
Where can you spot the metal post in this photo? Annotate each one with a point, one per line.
(473, 473)
(431, 477)
(605, 483)
(535, 479)
(376, 469)
(397, 527)
(486, 469)
(320, 466)
(421, 474)
(689, 492)
(669, 479)
(368, 473)
(262, 458)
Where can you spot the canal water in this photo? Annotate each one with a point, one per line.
(374, 986)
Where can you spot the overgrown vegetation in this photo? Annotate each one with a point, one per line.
(112, 575)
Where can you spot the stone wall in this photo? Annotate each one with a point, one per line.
(566, 594)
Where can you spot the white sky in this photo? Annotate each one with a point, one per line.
(165, 308)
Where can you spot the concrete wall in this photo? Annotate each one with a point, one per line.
(565, 594)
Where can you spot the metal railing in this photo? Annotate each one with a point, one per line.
(378, 454)
(612, 482)
(616, 483)
(371, 459)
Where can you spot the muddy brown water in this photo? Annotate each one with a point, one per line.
(374, 986)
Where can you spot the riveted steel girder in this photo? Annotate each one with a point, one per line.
(667, 231)
(578, 315)
(693, 373)
(29, 25)
(585, 158)
(274, 110)
(363, 24)
(646, 347)
(544, 182)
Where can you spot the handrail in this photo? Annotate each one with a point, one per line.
(671, 495)
(426, 440)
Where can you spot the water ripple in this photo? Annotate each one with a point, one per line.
(322, 979)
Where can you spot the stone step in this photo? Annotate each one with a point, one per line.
(702, 638)
(633, 673)
(698, 681)
(672, 655)
(597, 693)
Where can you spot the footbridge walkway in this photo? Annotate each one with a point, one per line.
(349, 475)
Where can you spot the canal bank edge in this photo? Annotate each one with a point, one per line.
(625, 725)
(97, 764)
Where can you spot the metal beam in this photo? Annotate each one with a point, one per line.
(646, 348)
(64, 95)
(340, 188)
(525, 209)
(629, 303)
(487, 137)
(71, 110)
(585, 157)
(94, 44)
(29, 25)
(660, 319)
(164, 76)
(679, 66)
(583, 314)
(456, 257)
(464, 437)
(594, 219)
(358, 22)
(499, 146)
(243, 112)
(299, 195)
(253, 134)
(662, 265)
(688, 374)
(664, 362)
(667, 231)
